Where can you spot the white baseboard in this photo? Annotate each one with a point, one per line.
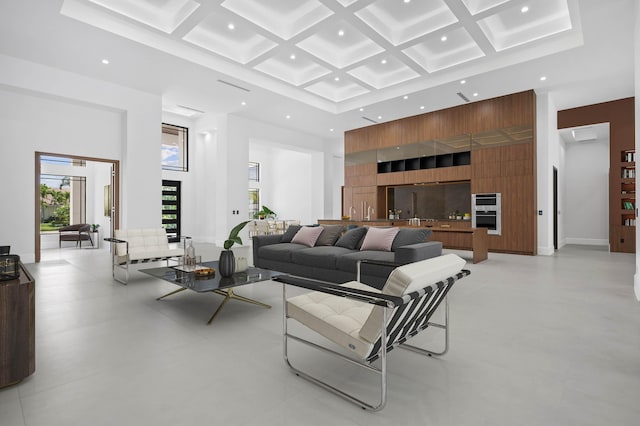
(588, 241)
(636, 286)
(545, 251)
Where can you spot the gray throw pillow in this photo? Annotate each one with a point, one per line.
(351, 238)
(329, 235)
(288, 235)
(408, 236)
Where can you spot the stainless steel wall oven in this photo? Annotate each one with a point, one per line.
(486, 212)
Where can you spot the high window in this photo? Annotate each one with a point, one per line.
(175, 152)
(254, 172)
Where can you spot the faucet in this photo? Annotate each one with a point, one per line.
(370, 211)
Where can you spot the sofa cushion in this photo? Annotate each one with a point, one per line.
(291, 231)
(406, 237)
(348, 262)
(329, 235)
(351, 238)
(280, 252)
(319, 256)
(409, 278)
(307, 235)
(379, 239)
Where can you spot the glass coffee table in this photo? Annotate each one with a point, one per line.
(214, 284)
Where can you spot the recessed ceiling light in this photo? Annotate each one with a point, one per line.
(331, 130)
(421, 106)
(287, 116)
(463, 81)
(543, 78)
(407, 1)
(340, 33)
(336, 78)
(405, 97)
(475, 94)
(524, 9)
(379, 117)
(361, 109)
(105, 61)
(443, 38)
(292, 56)
(231, 26)
(243, 103)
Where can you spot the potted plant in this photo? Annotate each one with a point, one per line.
(264, 213)
(227, 261)
(94, 227)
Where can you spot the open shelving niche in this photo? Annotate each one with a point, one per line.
(628, 188)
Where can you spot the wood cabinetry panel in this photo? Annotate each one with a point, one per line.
(508, 168)
(622, 239)
(389, 134)
(17, 329)
(409, 130)
(355, 181)
(396, 178)
(444, 174)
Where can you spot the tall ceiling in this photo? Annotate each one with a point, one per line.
(326, 66)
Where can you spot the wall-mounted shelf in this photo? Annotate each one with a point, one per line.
(628, 188)
(428, 162)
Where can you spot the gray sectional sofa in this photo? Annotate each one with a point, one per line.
(335, 254)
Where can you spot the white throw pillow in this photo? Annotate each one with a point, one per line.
(307, 235)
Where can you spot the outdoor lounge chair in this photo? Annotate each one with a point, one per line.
(367, 323)
(77, 233)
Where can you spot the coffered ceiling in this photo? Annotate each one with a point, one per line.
(326, 66)
(336, 54)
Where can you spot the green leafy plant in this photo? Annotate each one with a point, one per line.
(264, 212)
(233, 235)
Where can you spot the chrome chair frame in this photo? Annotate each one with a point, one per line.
(384, 344)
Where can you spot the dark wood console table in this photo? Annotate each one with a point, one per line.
(17, 328)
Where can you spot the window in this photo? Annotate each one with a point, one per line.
(171, 209)
(254, 201)
(175, 153)
(254, 172)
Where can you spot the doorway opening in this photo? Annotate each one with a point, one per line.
(62, 183)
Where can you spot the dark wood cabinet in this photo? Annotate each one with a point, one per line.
(17, 328)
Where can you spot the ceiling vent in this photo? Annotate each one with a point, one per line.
(368, 119)
(234, 85)
(463, 96)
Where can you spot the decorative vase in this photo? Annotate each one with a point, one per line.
(227, 263)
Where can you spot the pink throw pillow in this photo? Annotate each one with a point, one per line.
(307, 235)
(379, 239)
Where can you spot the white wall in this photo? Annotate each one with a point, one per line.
(285, 180)
(227, 158)
(49, 110)
(586, 189)
(548, 157)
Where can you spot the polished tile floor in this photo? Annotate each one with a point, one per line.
(535, 341)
